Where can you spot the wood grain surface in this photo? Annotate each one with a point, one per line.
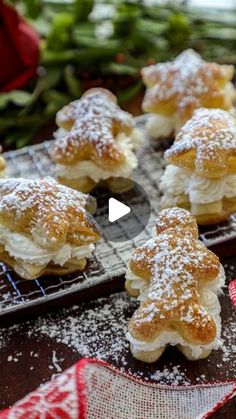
(33, 353)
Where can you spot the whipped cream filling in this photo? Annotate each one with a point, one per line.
(20, 246)
(176, 181)
(137, 283)
(173, 338)
(142, 285)
(88, 168)
(217, 284)
(161, 126)
(208, 299)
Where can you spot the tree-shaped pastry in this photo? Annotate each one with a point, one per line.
(95, 143)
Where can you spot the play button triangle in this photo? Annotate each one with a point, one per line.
(117, 210)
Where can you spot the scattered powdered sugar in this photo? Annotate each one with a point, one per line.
(174, 376)
(93, 118)
(15, 357)
(98, 330)
(202, 378)
(229, 352)
(55, 363)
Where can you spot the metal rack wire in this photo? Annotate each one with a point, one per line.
(110, 258)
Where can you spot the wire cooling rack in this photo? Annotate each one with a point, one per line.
(110, 259)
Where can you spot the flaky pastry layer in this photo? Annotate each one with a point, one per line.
(85, 175)
(206, 144)
(96, 122)
(177, 88)
(43, 223)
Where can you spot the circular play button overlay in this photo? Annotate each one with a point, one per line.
(122, 216)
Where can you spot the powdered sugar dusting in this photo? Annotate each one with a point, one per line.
(96, 117)
(97, 329)
(185, 71)
(176, 260)
(187, 81)
(96, 332)
(172, 376)
(45, 193)
(211, 133)
(41, 203)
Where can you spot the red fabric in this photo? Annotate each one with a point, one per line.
(19, 50)
(232, 291)
(67, 396)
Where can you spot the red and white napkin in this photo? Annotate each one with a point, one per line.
(232, 291)
(93, 389)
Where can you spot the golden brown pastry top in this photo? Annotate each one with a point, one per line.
(174, 263)
(187, 83)
(94, 122)
(53, 214)
(206, 144)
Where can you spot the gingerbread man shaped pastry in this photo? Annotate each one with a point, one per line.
(178, 269)
(96, 143)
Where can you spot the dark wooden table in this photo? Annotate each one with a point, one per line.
(33, 356)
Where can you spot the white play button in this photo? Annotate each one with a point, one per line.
(116, 210)
(122, 216)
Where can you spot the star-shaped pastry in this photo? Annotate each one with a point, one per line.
(51, 213)
(94, 121)
(187, 83)
(206, 144)
(175, 263)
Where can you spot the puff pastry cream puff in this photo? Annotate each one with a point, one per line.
(201, 171)
(95, 143)
(44, 227)
(177, 280)
(175, 89)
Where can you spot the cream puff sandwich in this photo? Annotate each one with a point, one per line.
(175, 89)
(44, 227)
(177, 280)
(95, 144)
(201, 171)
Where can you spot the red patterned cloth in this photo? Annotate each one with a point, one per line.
(19, 50)
(93, 389)
(232, 291)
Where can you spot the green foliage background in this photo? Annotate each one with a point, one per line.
(79, 44)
